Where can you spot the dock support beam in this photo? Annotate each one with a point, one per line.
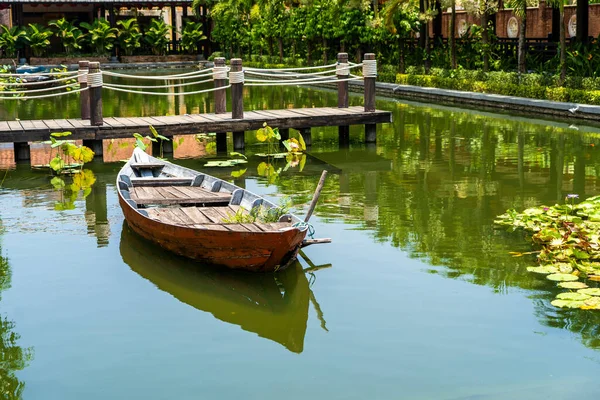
(370, 75)
(236, 79)
(285, 135)
(342, 74)
(94, 82)
(306, 135)
(220, 77)
(22, 151)
(84, 96)
(95, 145)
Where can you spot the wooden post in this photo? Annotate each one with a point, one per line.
(174, 28)
(220, 78)
(285, 135)
(236, 79)
(370, 75)
(343, 73)
(84, 96)
(306, 135)
(95, 92)
(220, 75)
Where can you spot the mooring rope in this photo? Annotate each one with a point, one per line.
(43, 96)
(187, 75)
(159, 86)
(95, 79)
(370, 68)
(48, 89)
(292, 69)
(110, 87)
(236, 77)
(25, 75)
(302, 225)
(42, 82)
(220, 72)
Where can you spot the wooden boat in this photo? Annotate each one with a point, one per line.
(184, 211)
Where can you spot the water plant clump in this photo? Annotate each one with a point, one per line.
(567, 241)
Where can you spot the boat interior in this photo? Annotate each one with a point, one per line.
(179, 196)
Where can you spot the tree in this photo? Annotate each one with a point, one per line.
(560, 4)
(520, 10)
(483, 9)
(401, 18)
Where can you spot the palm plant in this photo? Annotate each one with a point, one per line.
(156, 36)
(38, 38)
(129, 35)
(11, 39)
(191, 36)
(401, 18)
(520, 10)
(70, 35)
(101, 35)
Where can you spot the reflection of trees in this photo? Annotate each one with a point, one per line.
(450, 175)
(12, 357)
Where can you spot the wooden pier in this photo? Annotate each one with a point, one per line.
(301, 119)
(93, 127)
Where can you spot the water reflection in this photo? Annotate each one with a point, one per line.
(274, 306)
(13, 357)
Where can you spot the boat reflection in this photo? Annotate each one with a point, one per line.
(274, 306)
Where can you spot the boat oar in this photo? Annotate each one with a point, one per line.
(311, 208)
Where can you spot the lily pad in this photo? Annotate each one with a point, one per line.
(572, 285)
(590, 291)
(594, 278)
(573, 296)
(544, 269)
(562, 277)
(567, 303)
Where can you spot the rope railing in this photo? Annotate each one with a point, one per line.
(41, 82)
(110, 87)
(45, 96)
(27, 75)
(48, 89)
(187, 75)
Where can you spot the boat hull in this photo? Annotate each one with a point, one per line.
(251, 251)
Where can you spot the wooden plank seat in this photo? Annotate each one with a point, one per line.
(211, 218)
(165, 195)
(150, 165)
(162, 181)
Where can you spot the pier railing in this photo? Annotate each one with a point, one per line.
(89, 82)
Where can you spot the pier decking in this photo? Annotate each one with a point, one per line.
(120, 127)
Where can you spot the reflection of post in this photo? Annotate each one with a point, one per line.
(97, 214)
(520, 159)
(241, 182)
(371, 212)
(579, 168)
(342, 74)
(236, 79)
(452, 145)
(560, 161)
(345, 198)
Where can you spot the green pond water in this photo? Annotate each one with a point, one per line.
(416, 298)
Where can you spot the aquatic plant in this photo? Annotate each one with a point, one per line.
(156, 138)
(82, 181)
(260, 214)
(65, 150)
(568, 239)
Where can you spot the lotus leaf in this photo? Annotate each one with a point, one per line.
(544, 269)
(567, 303)
(574, 296)
(590, 291)
(562, 277)
(572, 285)
(564, 268)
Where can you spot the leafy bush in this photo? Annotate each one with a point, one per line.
(100, 35)
(156, 36)
(38, 38)
(11, 40)
(129, 35)
(70, 36)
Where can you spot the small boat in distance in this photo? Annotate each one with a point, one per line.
(196, 215)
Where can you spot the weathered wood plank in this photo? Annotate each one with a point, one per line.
(15, 126)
